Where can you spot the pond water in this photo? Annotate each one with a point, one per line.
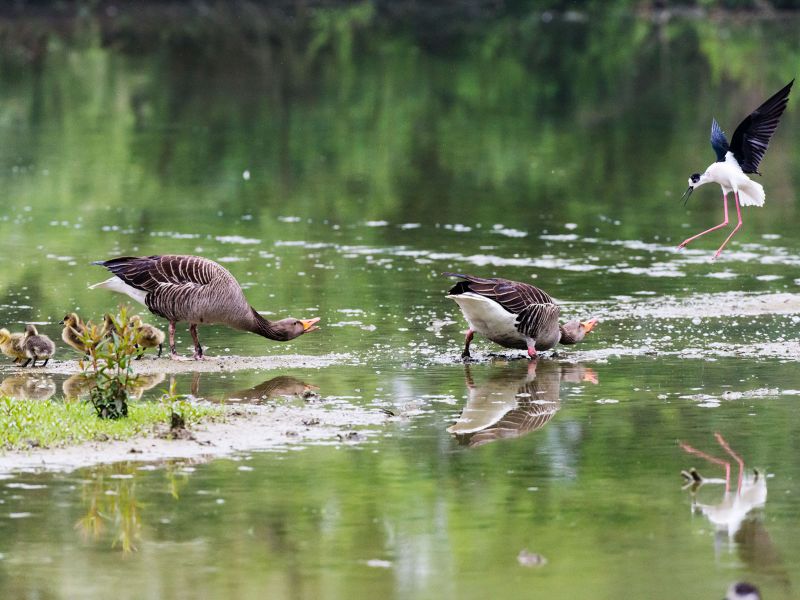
(337, 162)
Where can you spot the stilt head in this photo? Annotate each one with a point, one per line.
(743, 591)
(695, 180)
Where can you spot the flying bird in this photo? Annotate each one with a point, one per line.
(513, 314)
(737, 159)
(197, 290)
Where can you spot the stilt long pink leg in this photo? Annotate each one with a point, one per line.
(723, 224)
(735, 229)
(721, 441)
(691, 450)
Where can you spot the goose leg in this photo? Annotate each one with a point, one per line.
(723, 224)
(44, 364)
(467, 342)
(160, 348)
(172, 351)
(735, 229)
(25, 364)
(532, 349)
(198, 349)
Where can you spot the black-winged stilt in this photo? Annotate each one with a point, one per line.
(741, 156)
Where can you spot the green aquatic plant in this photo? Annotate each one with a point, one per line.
(111, 348)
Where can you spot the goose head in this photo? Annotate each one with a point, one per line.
(573, 332)
(290, 328)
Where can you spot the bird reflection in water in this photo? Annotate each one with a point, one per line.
(28, 387)
(515, 400)
(735, 516)
(81, 384)
(283, 386)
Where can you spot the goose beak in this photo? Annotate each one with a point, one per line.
(686, 194)
(309, 324)
(589, 325)
(590, 376)
(61, 322)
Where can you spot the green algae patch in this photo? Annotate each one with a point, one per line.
(25, 424)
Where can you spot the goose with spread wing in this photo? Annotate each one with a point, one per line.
(739, 158)
(197, 290)
(513, 314)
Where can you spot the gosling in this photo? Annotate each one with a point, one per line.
(37, 346)
(147, 336)
(72, 334)
(11, 345)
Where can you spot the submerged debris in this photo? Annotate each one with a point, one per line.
(530, 559)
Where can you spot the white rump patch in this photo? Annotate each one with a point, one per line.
(115, 284)
(488, 318)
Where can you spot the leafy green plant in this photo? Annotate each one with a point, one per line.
(110, 349)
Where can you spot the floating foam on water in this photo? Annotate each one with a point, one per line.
(236, 239)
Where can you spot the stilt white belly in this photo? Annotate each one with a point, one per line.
(488, 318)
(115, 284)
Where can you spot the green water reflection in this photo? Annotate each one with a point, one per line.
(337, 162)
(414, 513)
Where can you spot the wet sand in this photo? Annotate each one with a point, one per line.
(245, 428)
(213, 364)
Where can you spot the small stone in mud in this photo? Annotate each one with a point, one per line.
(177, 422)
(32, 443)
(134, 451)
(291, 433)
(311, 421)
(530, 559)
(101, 437)
(350, 436)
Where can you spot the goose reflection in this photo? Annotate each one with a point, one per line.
(515, 400)
(81, 384)
(284, 386)
(24, 386)
(735, 515)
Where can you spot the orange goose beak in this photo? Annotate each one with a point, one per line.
(309, 324)
(589, 325)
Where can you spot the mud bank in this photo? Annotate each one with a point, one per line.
(216, 364)
(245, 428)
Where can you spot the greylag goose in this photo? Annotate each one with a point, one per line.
(513, 314)
(11, 345)
(197, 290)
(513, 402)
(37, 346)
(147, 336)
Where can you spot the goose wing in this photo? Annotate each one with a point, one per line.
(149, 273)
(751, 138)
(179, 287)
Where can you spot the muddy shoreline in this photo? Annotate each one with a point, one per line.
(244, 428)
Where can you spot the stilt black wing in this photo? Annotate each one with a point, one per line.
(751, 138)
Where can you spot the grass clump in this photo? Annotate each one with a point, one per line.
(25, 424)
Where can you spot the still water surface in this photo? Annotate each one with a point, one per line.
(339, 181)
